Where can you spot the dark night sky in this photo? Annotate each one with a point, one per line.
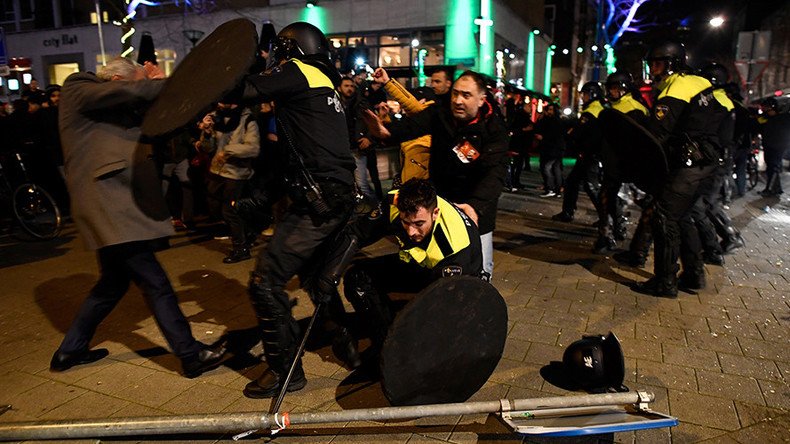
(687, 21)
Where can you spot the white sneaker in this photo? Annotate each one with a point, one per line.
(548, 194)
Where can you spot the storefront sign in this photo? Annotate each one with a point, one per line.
(63, 40)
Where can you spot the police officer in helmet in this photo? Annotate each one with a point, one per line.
(319, 173)
(623, 97)
(685, 121)
(588, 138)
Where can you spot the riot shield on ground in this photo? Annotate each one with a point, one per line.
(444, 345)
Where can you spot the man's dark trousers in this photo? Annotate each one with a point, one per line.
(121, 264)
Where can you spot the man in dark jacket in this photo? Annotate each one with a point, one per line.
(776, 139)
(468, 146)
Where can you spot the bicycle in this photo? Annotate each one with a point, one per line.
(752, 166)
(32, 207)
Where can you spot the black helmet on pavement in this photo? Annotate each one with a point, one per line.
(300, 39)
(671, 52)
(716, 73)
(593, 89)
(620, 79)
(595, 363)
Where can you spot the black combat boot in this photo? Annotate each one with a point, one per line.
(630, 258)
(270, 383)
(344, 346)
(563, 216)
(692, 279)
(732, 241)
(713, 257)
(655, 286)
(237, 255)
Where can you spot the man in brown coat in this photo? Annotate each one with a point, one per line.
(119, 210)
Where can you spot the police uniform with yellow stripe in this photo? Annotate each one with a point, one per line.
(612, 222)
(452, 249)
(587, 138)
(686, 121)
(314, 138)
(707, 219)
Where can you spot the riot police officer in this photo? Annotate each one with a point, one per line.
(685, 120)
(708, 215)
(320, 177)
(587, 138)
(623, 97)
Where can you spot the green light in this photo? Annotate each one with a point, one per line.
(536, 31)
(529, 78)
(553, 46)
(610, 60)
(315, 15)
(459, 47)
(547, 73)
(580, 50)
(485, 58)
(421, 77)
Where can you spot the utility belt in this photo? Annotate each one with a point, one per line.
(691, 153)
(323, 197)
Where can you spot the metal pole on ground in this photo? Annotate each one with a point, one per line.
(235, 422)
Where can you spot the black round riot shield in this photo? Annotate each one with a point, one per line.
(446, 342)
(634, 154)
(210, 71)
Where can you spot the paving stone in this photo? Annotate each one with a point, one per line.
(690, 357)
(662, 334)
(750, 414)
(542, 354)
(745, 366)
(535, 333)
(695, 308)
(564, 320)
(764, 350)
(554, 304)
(686, 432)
(774, 332)
(157, 388)
(723, 385)
(766, 431)
(683, 321)
(713, 341)
(518, 374)
(524, 314)
(718, 413)
(641, 349)
(666, 375)
(43, 398)
(776, 393)
(88, 405)
(741, 329)
(515, 349)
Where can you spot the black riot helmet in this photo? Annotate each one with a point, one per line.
(594, 90)
(716, 73)
(595, 363)
(620, 79)
(298, 40)
(673, 53)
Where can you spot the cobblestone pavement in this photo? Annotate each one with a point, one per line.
(718, 360)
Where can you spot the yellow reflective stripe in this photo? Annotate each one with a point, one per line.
(594, 108)
(684, 87)
(722, 98)
(315, 78)
(626, 104)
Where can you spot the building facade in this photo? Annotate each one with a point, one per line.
(499, 38)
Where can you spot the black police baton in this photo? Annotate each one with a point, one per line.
(299, 351)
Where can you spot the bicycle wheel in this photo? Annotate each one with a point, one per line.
(752, 173)
(36, 211)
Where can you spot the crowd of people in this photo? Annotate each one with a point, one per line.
(293, 150)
